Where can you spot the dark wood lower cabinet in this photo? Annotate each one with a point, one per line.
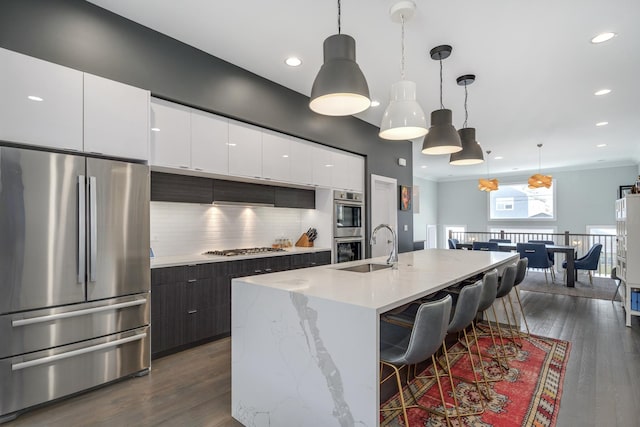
(191, 304)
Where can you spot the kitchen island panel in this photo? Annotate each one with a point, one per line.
(296, 357)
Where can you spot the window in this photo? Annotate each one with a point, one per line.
(504, 203)
(518, 201)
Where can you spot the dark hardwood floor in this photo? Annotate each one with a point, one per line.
(193, 388)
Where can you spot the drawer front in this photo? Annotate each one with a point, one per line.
(37, 330)
(36, 378)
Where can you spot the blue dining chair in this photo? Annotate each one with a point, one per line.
(453, 243)
(588, 262)
(485, 246)
(500, 240)
(538, 257)
(546, 242)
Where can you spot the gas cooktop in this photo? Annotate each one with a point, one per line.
(244, 251)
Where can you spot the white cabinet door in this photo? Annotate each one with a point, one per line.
(209, 143)
(40, 102)
(276, 156)
(245, 150)
(356, 173)
(170, 134)
(322, 166)
(340, 173)
(300, 160)
(116, 118)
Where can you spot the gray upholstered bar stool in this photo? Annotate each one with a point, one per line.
(506, 283)
(521, 272)
(464, 312)
(401, 346)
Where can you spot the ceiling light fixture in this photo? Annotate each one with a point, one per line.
(488, 184)
(340, 88)
(35, 98)
(538, 180)
(602, 124)
(602, 92)
(601, 145)
(442, 137)
(471, 153)
(404, 118)
(293, 61)
(498, 158)
(603, 37)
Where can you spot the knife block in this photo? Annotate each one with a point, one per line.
(304, 242)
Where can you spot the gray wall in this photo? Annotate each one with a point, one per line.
(85, 37)
(584, 197)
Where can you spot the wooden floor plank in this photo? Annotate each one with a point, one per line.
(193, 388)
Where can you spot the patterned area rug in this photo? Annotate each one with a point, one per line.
(602, 287)
(528, 396)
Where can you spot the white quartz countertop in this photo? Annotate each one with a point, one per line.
(419, 273)
(173, 261)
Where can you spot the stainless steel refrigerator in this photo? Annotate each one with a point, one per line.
(74, 274)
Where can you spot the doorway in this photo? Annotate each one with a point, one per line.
(384, 197)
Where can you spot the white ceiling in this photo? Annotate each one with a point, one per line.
(536, 68)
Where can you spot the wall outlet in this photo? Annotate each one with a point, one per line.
(406, 227)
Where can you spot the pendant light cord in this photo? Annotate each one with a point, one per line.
(402, 48)
(441, 104)
(539, 157)
(339, 15)
(466, 113)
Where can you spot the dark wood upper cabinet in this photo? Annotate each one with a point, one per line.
(168, 187)
(242, 192)
(295, 198)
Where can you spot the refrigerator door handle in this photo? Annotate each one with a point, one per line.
(82, 228)
(49, 359)
(93, 228)
(76, 313)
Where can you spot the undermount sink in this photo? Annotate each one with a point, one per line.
(366, 268)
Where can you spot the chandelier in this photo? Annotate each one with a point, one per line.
(488, 184)
(538, 180)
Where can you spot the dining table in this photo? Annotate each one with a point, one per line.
(569, 251)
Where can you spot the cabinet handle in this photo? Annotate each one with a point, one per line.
(184, 167)
(198, 169)
(268, 270)
(257, 271)
(192, 311)
(192, 280)
(313, 263)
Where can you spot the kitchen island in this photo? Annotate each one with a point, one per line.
(305, 342)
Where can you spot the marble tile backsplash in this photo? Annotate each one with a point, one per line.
(185, 228)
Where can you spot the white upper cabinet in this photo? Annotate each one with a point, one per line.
(300, 160)
(170, 135)
(245, 150)
(40, 102)
(209, 143)
(356, 173)
(116, 118)
(322, 166)
(276, 156)
(340, 170)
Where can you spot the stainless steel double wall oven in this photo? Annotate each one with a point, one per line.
(348, 226)
(74, 274)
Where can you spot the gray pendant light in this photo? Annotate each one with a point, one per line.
(340, 88)
(404, 118)
(471, 153)
(442, 137)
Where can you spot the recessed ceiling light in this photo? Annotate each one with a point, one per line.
(35, 98)
(423, 166)
(155, 129)
(375, 103)
(602, 92)
(603, 37)
(602, 123)
(328, 166)
(285, 156)
(231, 144)
(601, 145)
(293, 61)
(498, 158)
